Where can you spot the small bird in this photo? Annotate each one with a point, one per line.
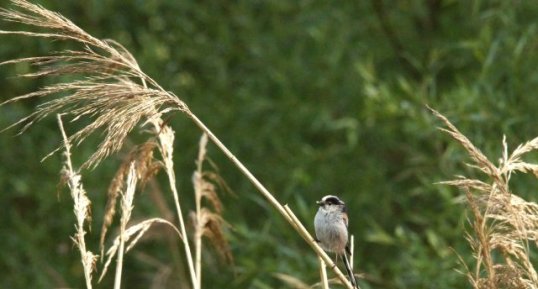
(331, 224)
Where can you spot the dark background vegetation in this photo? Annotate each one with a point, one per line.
(315, 97)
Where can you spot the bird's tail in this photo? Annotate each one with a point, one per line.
(349, 271)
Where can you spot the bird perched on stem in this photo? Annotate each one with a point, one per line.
(331, 224)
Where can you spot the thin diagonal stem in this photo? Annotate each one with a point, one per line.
(283, 210)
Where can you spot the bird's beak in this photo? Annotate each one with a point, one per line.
(320, 203)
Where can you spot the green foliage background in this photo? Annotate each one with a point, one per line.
(315, 97)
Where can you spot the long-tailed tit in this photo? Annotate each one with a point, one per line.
(331, 223)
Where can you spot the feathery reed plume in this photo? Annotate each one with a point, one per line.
(206, 222)
(111, 89)
(82, 208)
(146, 167)
(503, 222)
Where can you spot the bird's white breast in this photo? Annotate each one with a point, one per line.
(331, 230)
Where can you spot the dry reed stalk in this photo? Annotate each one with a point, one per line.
(126, 209)
(158, 198)
(127, 199)
(323, 267)
(323, 273)
(82, 208)
(166, 147)
(502, 222)
(116, 95)
(198, 191)
(207, 222)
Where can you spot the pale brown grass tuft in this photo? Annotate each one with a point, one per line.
(145, 168)
(503, 224)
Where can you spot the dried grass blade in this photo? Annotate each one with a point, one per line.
(478, 157)
(82, 209)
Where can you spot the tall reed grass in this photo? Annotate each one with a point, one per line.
(504, 226)
(106, 88)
